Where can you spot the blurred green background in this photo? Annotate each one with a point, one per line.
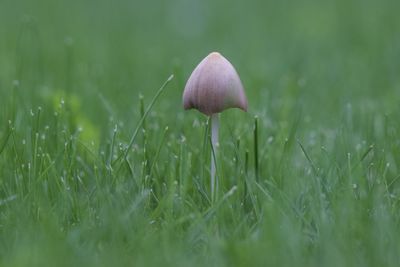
(322, 54)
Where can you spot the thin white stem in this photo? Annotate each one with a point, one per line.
(214, 148)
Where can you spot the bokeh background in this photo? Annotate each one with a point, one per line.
(320, 55)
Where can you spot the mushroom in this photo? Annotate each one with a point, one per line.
(214, 86)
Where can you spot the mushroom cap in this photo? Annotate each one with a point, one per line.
(214, 86)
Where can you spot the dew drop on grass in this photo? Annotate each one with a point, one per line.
(196, 123)
(183, 139)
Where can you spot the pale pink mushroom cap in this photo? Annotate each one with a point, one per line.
(214, 86)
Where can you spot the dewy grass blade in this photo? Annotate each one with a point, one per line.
(135, 133)
(112, 145)
(256, 147)
(158, 151)
(5, 140)
(314, 168)
(364, 155)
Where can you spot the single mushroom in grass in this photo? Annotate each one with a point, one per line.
(214, 86)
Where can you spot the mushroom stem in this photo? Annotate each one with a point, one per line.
(214, 148)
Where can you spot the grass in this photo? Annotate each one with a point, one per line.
(98, 168)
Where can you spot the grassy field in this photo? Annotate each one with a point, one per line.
(316, 184)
